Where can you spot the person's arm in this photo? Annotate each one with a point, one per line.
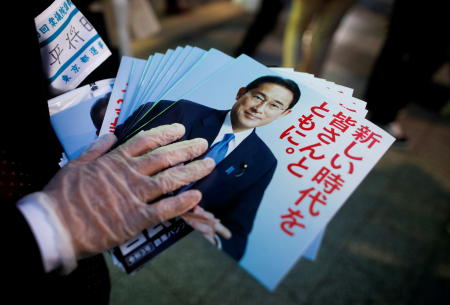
(43, 231)
(20, 246)
(100, 200)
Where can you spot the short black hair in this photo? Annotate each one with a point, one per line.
(284, 82)
(98, 110)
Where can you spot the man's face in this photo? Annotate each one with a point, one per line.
(260, 106)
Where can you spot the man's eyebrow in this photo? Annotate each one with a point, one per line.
(265, 97)
(278, 102)
(262, 93)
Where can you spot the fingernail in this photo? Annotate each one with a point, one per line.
(193, 194)
(178, 126)
(210, 161)
(199, 141)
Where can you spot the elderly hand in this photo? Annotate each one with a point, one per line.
(100, 200)
(206, 223)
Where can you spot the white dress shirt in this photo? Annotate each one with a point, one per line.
(228, 128)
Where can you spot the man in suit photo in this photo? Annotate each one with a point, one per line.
(244, 163)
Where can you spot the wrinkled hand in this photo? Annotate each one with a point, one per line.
(100, 200)
(206, 223)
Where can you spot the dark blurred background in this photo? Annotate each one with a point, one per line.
(390, 243)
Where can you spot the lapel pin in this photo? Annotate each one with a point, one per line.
(243, 168)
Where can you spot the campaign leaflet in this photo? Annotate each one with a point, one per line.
(320, 149)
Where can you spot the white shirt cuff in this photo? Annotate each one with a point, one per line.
(43, 232)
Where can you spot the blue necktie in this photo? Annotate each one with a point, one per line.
(216, 152)
(219, 150)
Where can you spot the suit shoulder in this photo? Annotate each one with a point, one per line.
(193, 106)
(186, 105)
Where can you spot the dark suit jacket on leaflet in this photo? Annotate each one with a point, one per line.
(233, 191)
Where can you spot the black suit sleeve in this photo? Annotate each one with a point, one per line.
(21, 247)
(29, 149)
(240, 219)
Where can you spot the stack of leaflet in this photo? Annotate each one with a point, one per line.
(321, 150)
